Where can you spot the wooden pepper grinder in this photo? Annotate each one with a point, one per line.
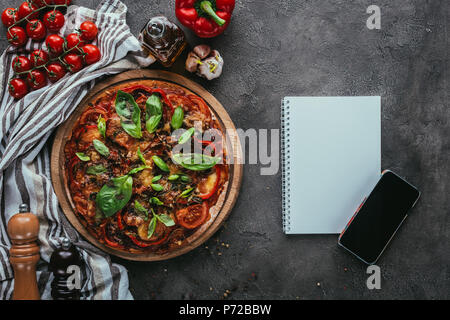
(61, 259)
(23, 230)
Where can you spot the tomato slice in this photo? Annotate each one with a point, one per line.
(193, 216)
(208, 186)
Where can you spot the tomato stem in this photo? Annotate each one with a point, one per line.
(58, 58)
(37, 10)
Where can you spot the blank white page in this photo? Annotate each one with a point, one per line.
(332, 160)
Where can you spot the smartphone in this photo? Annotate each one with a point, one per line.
(379, 217)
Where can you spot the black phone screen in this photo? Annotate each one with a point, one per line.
(379, 217)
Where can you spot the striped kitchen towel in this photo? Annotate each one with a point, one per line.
(25, 128)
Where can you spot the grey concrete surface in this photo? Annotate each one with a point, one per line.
(289, 47)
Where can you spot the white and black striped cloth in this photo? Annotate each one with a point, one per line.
(25, 128)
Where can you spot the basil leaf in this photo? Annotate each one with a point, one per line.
(195, 161)
(185, 178)
(152, 123)
(96, 169)
(177, 118)
(151, 227)
(141, 156)
(153, 112)
(166, 219)
(153, 106)
(186, 136)
(82, 156)
(155, 200)
(160, 163)
(129, 113)
(186, 193)
(157, 178)
(157, 187)
(140, 208)
(138, 169)
(113, 197)
(101, 125)
(101, 148)
(173, 177)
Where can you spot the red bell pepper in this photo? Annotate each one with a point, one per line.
(151, 90)
(144, 244)
(110, 243)
(208, 18)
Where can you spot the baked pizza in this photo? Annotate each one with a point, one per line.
(145, 164)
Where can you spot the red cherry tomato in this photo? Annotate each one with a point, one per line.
(54, 20)
(91, 53)
(74, 39)
(54, 44)
(10, 16)
(74, 62)
(17, 36)
(27, 8)
(36, 79)
(21, 64)
(36, 30)
(18, 88)
(55, 71)
(66, 2)
(38, 58)
(88, 31)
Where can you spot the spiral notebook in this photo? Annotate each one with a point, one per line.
(331, 160)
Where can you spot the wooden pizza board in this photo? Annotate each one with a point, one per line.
(218, 213)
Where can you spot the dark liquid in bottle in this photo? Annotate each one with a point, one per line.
(163, 39)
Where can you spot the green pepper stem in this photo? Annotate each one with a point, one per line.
(206, 6)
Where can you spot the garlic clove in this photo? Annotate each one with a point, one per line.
(192, 62)
(202, 51)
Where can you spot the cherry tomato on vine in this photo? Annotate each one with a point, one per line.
(18, 88)
(10, 16)
(27, 8)
(21, 64)
(55, 71)
(72, 40)
(16, 36)
(36, 30)
(67, 2)
(91, 53)
(88, 30)
(54, 20)
(54, 44)
(74, 62)
(38, 58)
(36, 79)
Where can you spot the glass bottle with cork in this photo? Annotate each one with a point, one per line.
(163, 39)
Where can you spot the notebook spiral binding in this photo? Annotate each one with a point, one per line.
(285, 165)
